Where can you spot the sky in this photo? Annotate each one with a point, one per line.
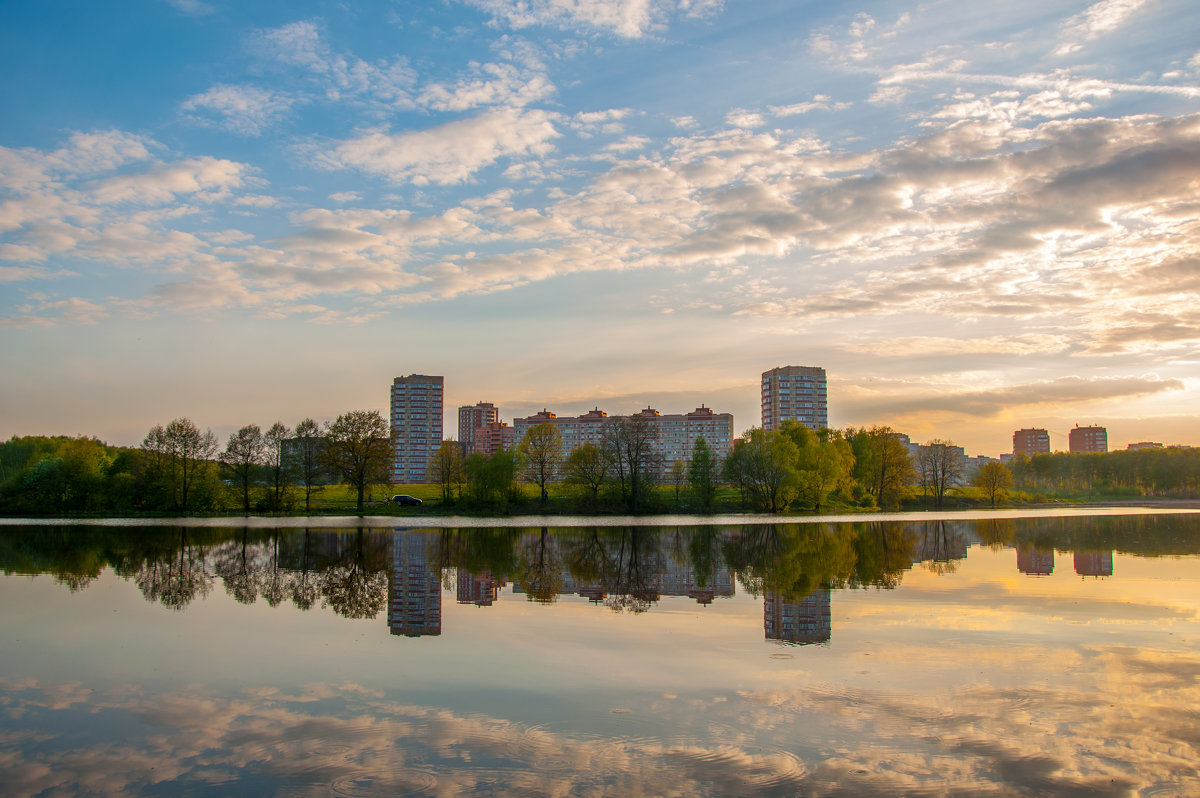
(975, 217)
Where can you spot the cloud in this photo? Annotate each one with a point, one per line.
(213, 177)
(448, 153)
(991, 403)
(193, 8)
(1095, 21)
(630, 19)
(487, 85)
(246, 110)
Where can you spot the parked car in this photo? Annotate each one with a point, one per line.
(404, 500)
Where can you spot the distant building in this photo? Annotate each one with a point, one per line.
(1134, 447)
(1088, 439)
(492, 437)
(677, 433)
(804, 622)
(795, 392)
(471, 418)
(416, 409)
(1031, 441)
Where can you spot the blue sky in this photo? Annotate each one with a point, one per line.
(975, 220)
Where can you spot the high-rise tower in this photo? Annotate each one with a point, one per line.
(416, 426)
(795, 392)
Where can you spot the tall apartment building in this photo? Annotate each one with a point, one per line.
(1031, 442)
(496, 435)
(471, 418)
(1088, 439)
(795, 392)
(416, 408)
(677, 433)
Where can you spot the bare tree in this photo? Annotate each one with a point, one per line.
(629, 446)
(940, 468)
(243, 454)
(541, 448)
(281, 476)
(178, 455)
(358, 449)
(307, 450)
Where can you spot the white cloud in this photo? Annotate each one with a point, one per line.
(487, 84)
(448, 153)
(1099, 19)
(631, 19)
(246, 110)
(194, 8)
(164, 182)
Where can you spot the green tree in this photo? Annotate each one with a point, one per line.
(446, 469)
(491, 480)
(541, 449)
(587, 468)
(242, 456)
(881, 463)
(702, 473)
(357, 449)
(763, 466)
(993, 479)
(179, 460)
(676, 477)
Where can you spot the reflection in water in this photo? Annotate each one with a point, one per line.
(966, 681)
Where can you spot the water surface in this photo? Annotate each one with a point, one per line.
(1041, 655)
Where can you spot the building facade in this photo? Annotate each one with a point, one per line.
(488, 439)
(1088, 439)
(676, 433)
(1031, 441)
(795, 392)
(471, 418)
(416, 414)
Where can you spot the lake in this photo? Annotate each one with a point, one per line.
(1048, 654)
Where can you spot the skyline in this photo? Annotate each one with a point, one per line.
(976, 221)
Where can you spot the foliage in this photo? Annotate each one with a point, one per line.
(703, 473)
(243, 454)
(491, 481)
(586, 468)
(939, 468)
(628, 445)
(881, 463)
(358, 449)
(541, 451)
(446, 469)
(993, 479)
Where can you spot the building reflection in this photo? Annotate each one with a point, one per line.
(414, 588)
(1035, 562)
(1094, 563)
(481, 590)
(803, 622)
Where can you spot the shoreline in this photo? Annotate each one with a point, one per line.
(1098, 509)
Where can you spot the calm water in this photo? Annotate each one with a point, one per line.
(1052, 655)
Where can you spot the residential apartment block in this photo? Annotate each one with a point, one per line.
(488, 439)
(795, 392)
(1031, 441)
(471, 418)
(1088, 439)
(677, 433)
(416, 414)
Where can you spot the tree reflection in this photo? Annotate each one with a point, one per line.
(176, 577)
(355, 586)
(540, 568)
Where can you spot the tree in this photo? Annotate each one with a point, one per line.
(881, 463)
(358, 450)
(243, 454)
(541, 448)
(587, 468)
(676, 477)
(763, 466)
(628, 444)
(307, 453)
(280, 472)
(940, 467)
(994, 479)
(702, 473)
(446, 469)
(178, 457)
(490, 480)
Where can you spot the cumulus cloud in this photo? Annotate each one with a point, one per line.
(448, 153)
